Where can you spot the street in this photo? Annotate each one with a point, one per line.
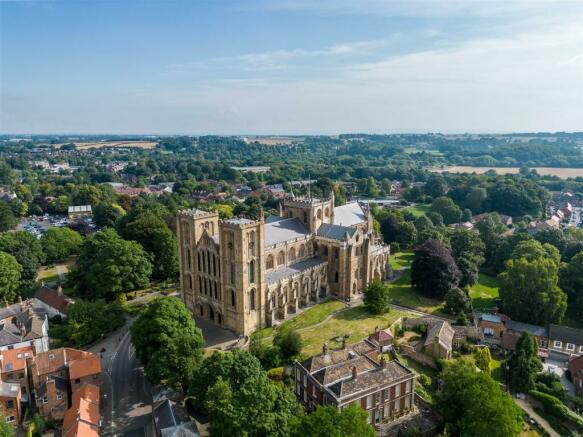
(126, 395)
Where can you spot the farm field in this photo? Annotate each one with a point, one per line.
(99, 145)
(544, 171)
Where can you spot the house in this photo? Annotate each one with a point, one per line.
(514, 331)
(13, 369)
(504, 219)
(53, 375)
(54, 302)
(383, 339)
(79, 211)
(356, 375)
(10, 402)
(576, 369)
(83, 418)
(439, 340)
(491, 325)
(22, 325)
(565, 341)
(171, 419)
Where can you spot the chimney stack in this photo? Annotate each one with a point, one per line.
(354, 373)
(343, 343)
(59, 290)
(383, 362)
(325, 349)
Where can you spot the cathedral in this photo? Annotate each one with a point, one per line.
(246, 274)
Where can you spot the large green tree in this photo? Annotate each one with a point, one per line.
(530, 293)
(168, 342)
(468, 251)
(445, 206)
(524, 364)
(88, 321)
(474, 403)
(60, 243)
(571, 280)
(27, 250)
(376, 297)
(434, 271)
(8, 220)
(330, 422)
(10, 272)
(239, 399)
(157, 239)
(109, 265)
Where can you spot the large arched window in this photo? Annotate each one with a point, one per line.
(281, 258)
(327, 212)
(302, 251)
(189, 259)
(291, 256)
(252, 271)
(233, 300)
(319, 214)
(252, 299)
(269, 262)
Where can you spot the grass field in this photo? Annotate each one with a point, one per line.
(484, 292)
(99, 145)
(418, 210)
(356, 322)
(401, 260)
(402, 293)
(496, 369)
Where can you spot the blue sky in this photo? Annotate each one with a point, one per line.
(290, 66)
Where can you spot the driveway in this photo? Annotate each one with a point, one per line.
(559, 368)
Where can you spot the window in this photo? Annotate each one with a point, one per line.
(10, 419)
(336, 277)
(252, 299)
(305, 381)
(51, 357)
(558, 344)
(305, 396)
(488, 331)
(386, 395)
(397, 406)
(59, 396)
(543, 344)
(302, 251)
(314, 391)
(408, 402)
(377, 398)
(251, 271)
(298, 376)
(298, 389)
(269, 262)
(280, 258)
(232, 273)
(233, 300)
(581, 349)
(398, 390)
(570, 347)
(10, 404)
(45, 400)
(369, 401)
(292, 254)
(77, 381)
(19, 356)
(408, 386)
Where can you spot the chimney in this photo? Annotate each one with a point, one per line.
(59, 290)
(354, 373)
(343, 343)
(20, 302)
(325, 349)
(383, 362)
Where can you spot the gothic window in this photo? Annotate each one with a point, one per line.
(251, 271)
(336, 277)
(233, 301)
(232, 273)
(302, 251)
(327, 212)
(189, 259)
(336, 252)
(269, 262)
(189, 282)
(319, 214)
(199, 284)
(281, 258)
(292, 254)
(305, 217)
(252, 299)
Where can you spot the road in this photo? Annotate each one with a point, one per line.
(127, 396)
(541, 421)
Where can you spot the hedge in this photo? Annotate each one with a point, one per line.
(555, 407)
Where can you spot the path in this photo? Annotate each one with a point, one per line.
(541, 421)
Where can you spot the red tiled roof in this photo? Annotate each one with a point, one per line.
(53, 299)
(383, 337)
(83, 418)
(86, 366)
(15, 359)
(81, 429)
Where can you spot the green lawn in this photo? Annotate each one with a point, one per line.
(496, 369)
(356, 322)
(402, 293)
(484, 292)
(419, 209)
(401, 259)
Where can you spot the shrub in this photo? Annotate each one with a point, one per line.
(289, 343)
(556, 408)
(425, 380)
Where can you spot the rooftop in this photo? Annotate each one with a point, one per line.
(566, 334)
(538, 331)
(335, 232)
(284, 230)
(350, 214)
(285, 272)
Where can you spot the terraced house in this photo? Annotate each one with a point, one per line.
(245, 274)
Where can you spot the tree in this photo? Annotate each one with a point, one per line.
(505, 249)
(267, 355)
(532, 249)
(330, 422)
(109, 265)
(490, 228)
(530, 293)
(407, 234)
(434, 271)
(572, 249)
(468, 251)
(235, 393)
(288, 342)
(435, 186)
(482, 357)
(390, 227)
(6, 429)
(474, 404)
(60, 243)
(8, 220)
(106, 214)
(450, 212)
(376, 297)
(168, 342)
(27, 250)
(89, 321)
(524, 364)
(475, 199)
(157, 239)
(552, 236)
(457, 302)
(10, 272)
(571, 279)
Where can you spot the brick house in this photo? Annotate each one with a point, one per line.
(83, 418)
(10, 397)
(492, 327)
(356, 375)
(565, 341)
(55, 374)
(514, 331)
(576, 369)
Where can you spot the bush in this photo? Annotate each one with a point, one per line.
(424, 380)
(556, 408)
(268, 356)
(289, 343)
(276, 373)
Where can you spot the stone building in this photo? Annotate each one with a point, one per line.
(245, 274)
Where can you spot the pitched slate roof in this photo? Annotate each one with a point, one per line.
(284, 230)
(442, 332)
(350, 214)
(566, 334)
(274, 276)
(335, 232)
(537, 331)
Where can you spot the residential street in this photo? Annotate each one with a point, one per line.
(126, 395)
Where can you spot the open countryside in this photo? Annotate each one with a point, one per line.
(563, 173)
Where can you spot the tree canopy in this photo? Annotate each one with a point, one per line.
(329, 422)
(27, 250)
(10, 272)
(434, 271)
(524, 364)
(60, 243)
(376, 297)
